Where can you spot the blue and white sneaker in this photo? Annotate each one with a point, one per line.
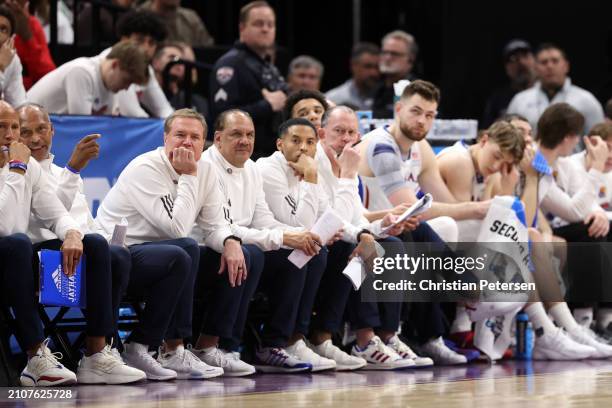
(406, 352)
(187, 365)
(381, 357)
(277, 360)
(44, 370)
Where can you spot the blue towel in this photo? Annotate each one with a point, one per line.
(541, 164)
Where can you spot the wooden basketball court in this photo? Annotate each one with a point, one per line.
(507, 384)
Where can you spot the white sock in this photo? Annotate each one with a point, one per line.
(563, 317)
(584, 316)
(604, 317)
(462, 322)
(539, 318)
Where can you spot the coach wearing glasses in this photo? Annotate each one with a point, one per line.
(397, 56)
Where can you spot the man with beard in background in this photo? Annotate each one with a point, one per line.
(398, 53)
(519, 63)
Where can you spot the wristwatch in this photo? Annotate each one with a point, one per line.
(235, 238)
(363, 231)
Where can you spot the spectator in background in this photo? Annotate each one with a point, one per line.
(65, 17)
(554, 86)
(146, 30)
(306, 104)
(244, 77)
(305, 72)
(165, 54)
(189, 55)
(88, 86)
(397, 57)
(358, 91)
(11, 84)
(173, 88)
(30, 42)
(520, 69)
(105, 26)
(183, 24)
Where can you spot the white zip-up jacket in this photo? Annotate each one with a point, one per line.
(245, 203)
(150, 95)
(299, 203)
(68, 188)
(604, 190)
(353, 212)
(571, 198)
(160, 204)
(74, 88)
(32, 192)
(11, 83)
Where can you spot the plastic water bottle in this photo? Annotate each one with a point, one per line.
(524, 337)
(119, 233)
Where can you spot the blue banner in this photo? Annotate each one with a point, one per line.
(122, 140)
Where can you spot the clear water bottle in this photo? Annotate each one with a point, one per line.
(524, 337)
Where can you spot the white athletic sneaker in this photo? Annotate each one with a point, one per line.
(406, 352)
(440, 354)
(115, 352)
(304, 353)
(137, 355)
(381, 357)
(277, 360)
(231, 364)
(557, 345)
(105, 367)
(187, 365)
(344, 361)
(587, 337)
(44, 370)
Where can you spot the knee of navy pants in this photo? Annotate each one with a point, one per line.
(223, 302)
(255, 265)
(99, 312)
(424, 233)
(163, 273)
(18, 288)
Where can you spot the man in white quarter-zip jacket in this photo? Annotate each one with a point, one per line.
(24, 188)
(254, 223)
(162, 194)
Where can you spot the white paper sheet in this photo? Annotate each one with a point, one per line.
(355, 271)
(415, 209)
(326, 226)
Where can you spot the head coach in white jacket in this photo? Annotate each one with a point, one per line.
(162, 194)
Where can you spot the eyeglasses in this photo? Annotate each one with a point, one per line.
(393, 54)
